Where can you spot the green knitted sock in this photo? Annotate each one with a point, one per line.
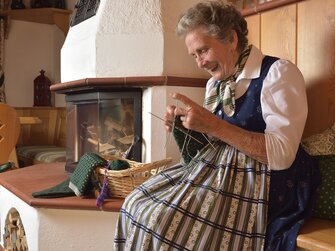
(80, 178)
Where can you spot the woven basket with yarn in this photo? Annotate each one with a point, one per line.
(122, 182)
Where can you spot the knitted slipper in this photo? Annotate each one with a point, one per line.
(80, 178)
(60, 190)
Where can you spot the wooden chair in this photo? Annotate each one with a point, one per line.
(9, 133)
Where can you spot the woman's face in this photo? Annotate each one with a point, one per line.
(214, 56)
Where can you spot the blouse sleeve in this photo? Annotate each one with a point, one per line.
(284, 105)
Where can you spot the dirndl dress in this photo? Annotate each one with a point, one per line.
(219, 199)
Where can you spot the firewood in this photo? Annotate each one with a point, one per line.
(112, 124)
(102, 147)
(127, 140)
(14, 235)
(13, 217)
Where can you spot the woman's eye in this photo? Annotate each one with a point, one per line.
(200, 53)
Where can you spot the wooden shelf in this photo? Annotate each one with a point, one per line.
(59, 17)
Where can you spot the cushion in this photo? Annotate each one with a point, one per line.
(43, 153)
(321, 143)
(325, 204)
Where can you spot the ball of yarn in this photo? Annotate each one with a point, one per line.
(118, 164)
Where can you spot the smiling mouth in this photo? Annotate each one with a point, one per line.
(213, 69)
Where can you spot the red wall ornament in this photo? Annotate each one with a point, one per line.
(42, 93)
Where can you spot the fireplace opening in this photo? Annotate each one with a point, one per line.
(105, 123)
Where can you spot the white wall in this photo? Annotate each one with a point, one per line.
(176, 59)
(29, 48)
(60, 229)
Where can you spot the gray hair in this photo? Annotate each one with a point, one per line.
(218, 18)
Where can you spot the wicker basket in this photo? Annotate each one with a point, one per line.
(122, 182)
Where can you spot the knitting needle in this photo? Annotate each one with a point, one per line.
(209, 142)
(168, 141)
(177, 127)
(186, 132)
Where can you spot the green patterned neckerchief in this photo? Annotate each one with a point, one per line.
(223, 92)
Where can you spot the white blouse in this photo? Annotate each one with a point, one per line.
(284, 106)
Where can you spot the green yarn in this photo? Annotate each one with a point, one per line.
(118, 164)
(191, 147)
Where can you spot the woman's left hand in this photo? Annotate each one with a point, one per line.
(194, 116)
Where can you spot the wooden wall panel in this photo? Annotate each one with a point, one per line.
(50, 132)
(254, 28)
(278, 32)
(316, 60)
(304, 33)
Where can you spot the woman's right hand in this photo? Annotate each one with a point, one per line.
(169, 117)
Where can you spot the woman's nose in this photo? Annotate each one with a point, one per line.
(200, 62)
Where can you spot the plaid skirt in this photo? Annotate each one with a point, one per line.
(216, 202)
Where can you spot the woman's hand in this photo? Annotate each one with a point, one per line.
(194, 116)
(169, 117)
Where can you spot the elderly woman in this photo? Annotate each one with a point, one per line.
(248, 185)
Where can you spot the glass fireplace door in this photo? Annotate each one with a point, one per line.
(104, 123)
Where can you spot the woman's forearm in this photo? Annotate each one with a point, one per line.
(250, 143)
